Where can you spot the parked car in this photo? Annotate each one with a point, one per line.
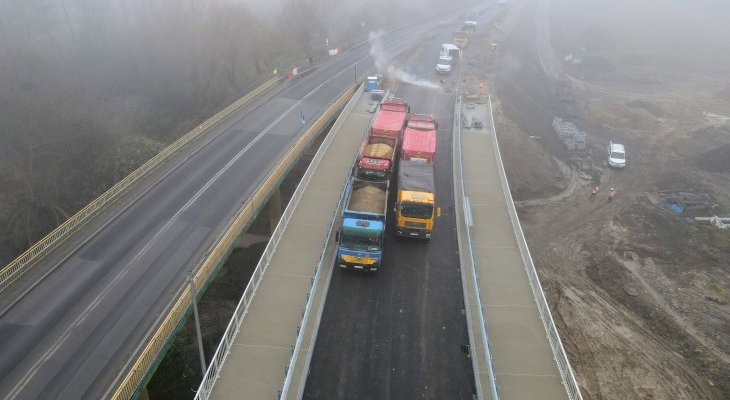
(616, 155)
(444, 64)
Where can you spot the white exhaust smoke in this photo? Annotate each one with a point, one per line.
(383, 65)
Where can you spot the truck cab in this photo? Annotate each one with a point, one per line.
(375, 86)
(416, 214)
(360, 237)
(415, 207)
(360, 244)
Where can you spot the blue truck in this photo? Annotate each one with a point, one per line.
(360, 237)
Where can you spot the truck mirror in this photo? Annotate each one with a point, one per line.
(337, 236)
(438, 211)
(436, 124)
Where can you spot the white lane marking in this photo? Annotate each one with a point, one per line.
(79, 320)
(48, 354)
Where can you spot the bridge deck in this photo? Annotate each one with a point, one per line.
(255, 368)
(523, 361)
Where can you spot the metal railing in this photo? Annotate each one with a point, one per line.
(25, 261)
(482, 320)
(284, 393)
(561, 358)
(234, 325)
(149, 355)
(322, 259)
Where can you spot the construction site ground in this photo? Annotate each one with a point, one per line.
(640, 293)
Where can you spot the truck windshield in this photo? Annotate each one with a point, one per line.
(618, 155)
(416, 210)
(352, 240)
(374, 174)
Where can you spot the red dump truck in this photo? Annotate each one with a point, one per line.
(391, 118)
(377, 153)
(376, 157)
(419, 139)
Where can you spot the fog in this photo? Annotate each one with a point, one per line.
(91, 89)
(686, 36)
(384, 63)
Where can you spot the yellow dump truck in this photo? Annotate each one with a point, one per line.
(415, 208)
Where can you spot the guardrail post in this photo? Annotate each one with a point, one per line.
(219, 358)
(197, 322)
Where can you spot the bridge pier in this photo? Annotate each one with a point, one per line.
(274, 207)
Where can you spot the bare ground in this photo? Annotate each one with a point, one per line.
(641, 296)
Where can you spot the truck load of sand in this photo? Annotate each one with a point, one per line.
(368, 199)
(379, 149)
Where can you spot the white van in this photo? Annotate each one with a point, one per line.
(450, 50)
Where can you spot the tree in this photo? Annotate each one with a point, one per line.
(302, 20)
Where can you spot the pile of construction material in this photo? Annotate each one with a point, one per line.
(573, 138)
(368, 198)
(679, 201)
(379, 148)
(720, 222)
(684, 201)
(468, 120)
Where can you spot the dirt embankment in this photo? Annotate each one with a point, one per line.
(531, 169)
(641, 295)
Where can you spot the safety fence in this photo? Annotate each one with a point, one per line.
(134, 380)
(234, 325)
(25, 261)
(323, 253)
(561, 358)
(484, 331)
(131, 384)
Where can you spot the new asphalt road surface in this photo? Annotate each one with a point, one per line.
(399, 333)
(69, 331)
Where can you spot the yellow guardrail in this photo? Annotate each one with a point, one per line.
(146, 359)
(25, 261)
